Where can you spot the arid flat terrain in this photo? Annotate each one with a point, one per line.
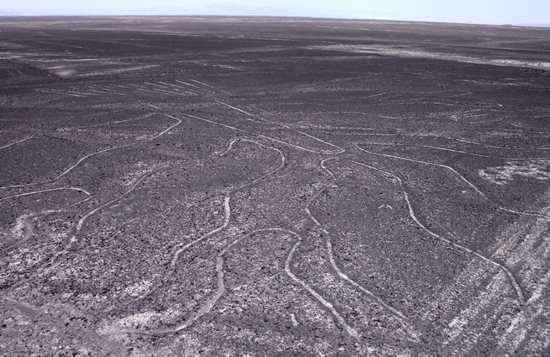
(273, 187)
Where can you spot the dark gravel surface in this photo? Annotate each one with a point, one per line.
(273, 187)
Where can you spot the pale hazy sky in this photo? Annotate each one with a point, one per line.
(466, 11)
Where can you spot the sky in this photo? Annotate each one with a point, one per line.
(496, 12)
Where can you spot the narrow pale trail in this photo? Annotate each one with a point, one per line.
(209, 86)
(338, 271)
(175, 257)
(316, 295)
(207, 307)
(17, 142)
(471, 185)
(221, 287)
(84, 158)
(338, 150)
(456, 151)
(252, 134)
(23, 228)
(227, 213)
(74, 238)
(209, 304)
(78, 189)
(517, 288)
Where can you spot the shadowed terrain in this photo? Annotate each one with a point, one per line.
(273, 187)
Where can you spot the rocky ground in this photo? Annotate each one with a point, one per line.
(273, 187)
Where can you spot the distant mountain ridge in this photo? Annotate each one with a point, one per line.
(233, 9)
(216, 9)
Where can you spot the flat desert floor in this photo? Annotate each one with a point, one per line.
(273, 187)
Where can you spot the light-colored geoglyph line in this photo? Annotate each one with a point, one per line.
(17, 142)
(338, 150)
(98, 208)
(341, 274)
(80, 223)
(497, 147)
(22, 223)
(219, 267)
(78, 229)
(315, 294)
(61, 92)
(187, 84)
(230, 147)
(209, 86)
(164, 89)
(68, 170)
(136, 87)
(235, 108)
(289, 144)
(474, 154)
(105, 91)
(457, 151)
(86, 157)
(513, 281)
(481, 144)
(44, 191)
(183, 248)
(158, 91)
(166, 130)
(185, 90)
(357, 285)
(207, 307)
(324, 168)
(499, 207)
(278, 168)
(175, 257)
(216, 123)
(251, 133)
(219, 263)
(427, 163)
(227, 210)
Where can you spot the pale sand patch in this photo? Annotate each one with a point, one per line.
(538, 169)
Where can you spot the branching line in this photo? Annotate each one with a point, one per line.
(283, 161)
(68, 170)
(22, 222)
(79, 226)
(175, 257)
(253, 134)
(338, 151)
(227, 210)
(499, 207)
(513, 281)
(98, 208)
(341, 274)
(316, 295)
(205, 309)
